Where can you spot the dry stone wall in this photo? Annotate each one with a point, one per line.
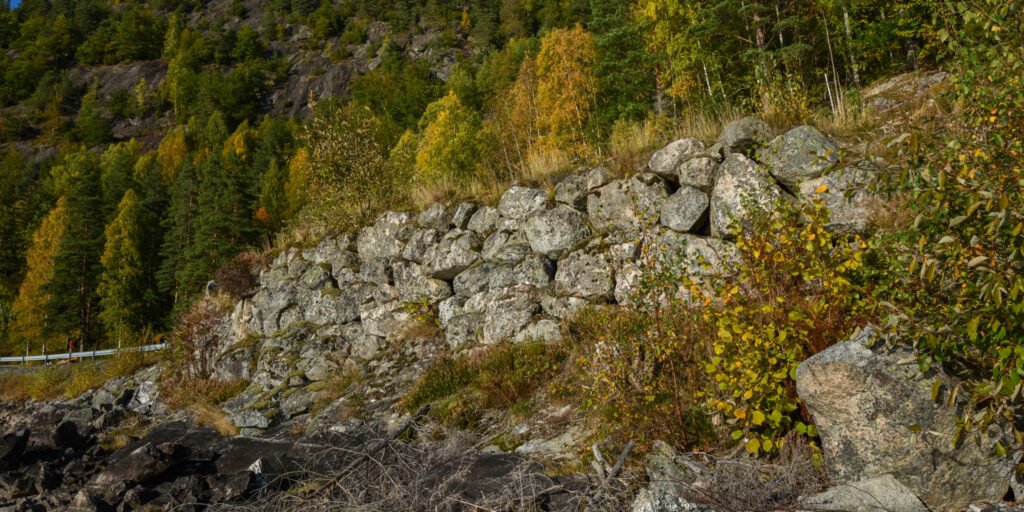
(512, 271)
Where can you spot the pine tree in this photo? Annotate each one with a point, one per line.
(221, 225)
(179, 232)
(273, 202)
(153, 209)
(73, 302)
(116, 174)
(121, 287)
(625, 78)
(92, 128)
(29, 308)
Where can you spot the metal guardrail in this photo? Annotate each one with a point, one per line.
(80, 355)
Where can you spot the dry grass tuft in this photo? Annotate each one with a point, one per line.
(213, 416)
(747, 483)
(69, 380)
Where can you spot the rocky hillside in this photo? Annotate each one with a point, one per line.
(333, 338)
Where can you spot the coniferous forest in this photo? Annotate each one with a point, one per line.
(145, 144)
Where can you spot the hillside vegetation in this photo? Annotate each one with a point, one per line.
(150, 148)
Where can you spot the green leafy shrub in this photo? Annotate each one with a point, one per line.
(968, 266)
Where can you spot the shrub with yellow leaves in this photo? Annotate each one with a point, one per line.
(700, 351)
(794, 295)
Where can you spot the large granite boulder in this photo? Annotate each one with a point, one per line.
(798, 155)
(385, 238)
(744, 135)
(457, 251)
(555, 231)
(742, 187)
(628, 204)
(666, 161)
(518, 203)
(847, 195)
(685, 211)
(877, 414)
(574, 189)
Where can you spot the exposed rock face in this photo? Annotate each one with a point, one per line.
(742, 186)
(800, 154)
(876, 416)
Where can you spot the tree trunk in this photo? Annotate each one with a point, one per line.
(849, 47)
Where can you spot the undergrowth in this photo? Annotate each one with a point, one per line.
(70, 380)
(505, 377)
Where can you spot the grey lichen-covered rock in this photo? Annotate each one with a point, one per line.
(847, 195)
(463, 212)
(626, 205)
(744, 135)
(449, 308)
(800, 154)
(545, 329)
(473, 280)
(420, 242)
(464, 330)
(484, 220)
(457, 251)
(697, 172)
(562, 307)
(385, 238)
(535, 270)
(685, 211)
(879, 494)
(555, 231)
(414, 286)
(875, 413)
(518, 203)
(505, 247)
(742, 187)
(573, 190)
(586, 275)
(665, 162)
(385, 320)
(437, 216)
(670, 481)
(701, 256)
(507, 312)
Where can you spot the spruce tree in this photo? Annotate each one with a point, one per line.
(625, 76)
(179, 231)
(121, 287)
(73, 302)
(152, 210)
(92, 128)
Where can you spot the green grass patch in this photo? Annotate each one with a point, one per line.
(503, 377)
